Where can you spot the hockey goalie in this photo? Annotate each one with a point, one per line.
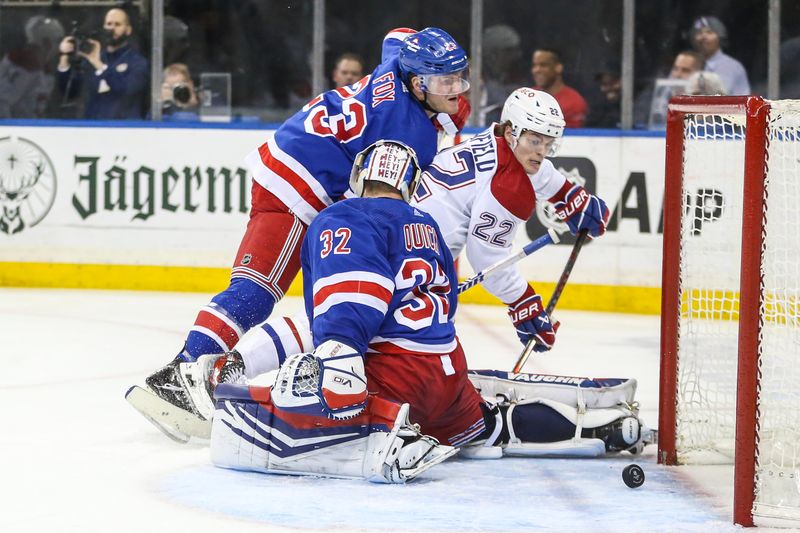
(377, 387)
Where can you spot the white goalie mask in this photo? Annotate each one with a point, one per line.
(537, 111)
(390, 162)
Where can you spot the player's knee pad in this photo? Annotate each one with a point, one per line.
(250, 433)
(267, 346)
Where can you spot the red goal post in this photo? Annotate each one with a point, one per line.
(730, 327)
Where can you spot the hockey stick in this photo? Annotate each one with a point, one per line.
(562, 282)
(550, 238)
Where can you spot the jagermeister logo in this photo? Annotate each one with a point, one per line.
(108, 184)
(27, 184)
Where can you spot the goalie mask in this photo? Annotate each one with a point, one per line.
(537, 111)
(389, 162)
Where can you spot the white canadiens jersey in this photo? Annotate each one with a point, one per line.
(480, 195)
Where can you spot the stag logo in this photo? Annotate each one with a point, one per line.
(27, 184)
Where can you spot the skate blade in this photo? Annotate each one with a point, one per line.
(178, 424)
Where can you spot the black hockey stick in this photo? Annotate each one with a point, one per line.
(551, 305)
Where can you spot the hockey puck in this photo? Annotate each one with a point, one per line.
(633, 476)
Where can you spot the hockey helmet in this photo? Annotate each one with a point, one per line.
(390, 162)
(537, 111)
(433, 55)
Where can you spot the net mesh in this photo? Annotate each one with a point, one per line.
(778, 450)
(713, 179)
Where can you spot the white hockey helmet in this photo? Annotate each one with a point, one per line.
(390, 162)
(532, 110)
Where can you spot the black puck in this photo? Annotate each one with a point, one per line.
(633, 476)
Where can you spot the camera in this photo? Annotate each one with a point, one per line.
(82, 37)
(181, 94)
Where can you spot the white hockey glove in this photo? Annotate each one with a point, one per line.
(331, 382)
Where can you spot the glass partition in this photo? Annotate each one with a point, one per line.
(570, 49)
(709, 47)
(74, 60)
(264, 47)
(251, 60)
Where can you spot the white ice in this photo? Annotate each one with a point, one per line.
(74, 456)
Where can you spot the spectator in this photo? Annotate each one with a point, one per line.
(605, 107)
(25, 80)
(548, 72)
(348, 70)
(651, 105)
(115, 75)
(705, 83)
(709, 35)
(178, 94)
(503, 70)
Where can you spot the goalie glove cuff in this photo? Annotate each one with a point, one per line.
(342, 381)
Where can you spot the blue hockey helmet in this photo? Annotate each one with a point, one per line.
(436, 57)
(390, 162)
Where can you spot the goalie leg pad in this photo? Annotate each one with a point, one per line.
(251, 433)
(569, 390)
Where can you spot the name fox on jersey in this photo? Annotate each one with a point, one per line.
(419, 236)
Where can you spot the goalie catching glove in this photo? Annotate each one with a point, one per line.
(331, 382)
(581, 210)
(532, 321)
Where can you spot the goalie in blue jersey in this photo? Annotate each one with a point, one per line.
(375, 375)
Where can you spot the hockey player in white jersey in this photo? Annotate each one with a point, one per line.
(482, 191)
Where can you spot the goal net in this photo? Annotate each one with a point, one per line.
(730, 332)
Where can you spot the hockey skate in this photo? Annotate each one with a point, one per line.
(180, 399)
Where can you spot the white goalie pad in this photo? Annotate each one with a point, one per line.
(569, 390)
(250, 433)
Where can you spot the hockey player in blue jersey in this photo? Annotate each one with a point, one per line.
(305, 167)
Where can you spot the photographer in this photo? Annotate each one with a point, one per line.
(178, 94)
(115, 75)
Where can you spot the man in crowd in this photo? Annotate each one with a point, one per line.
(547, 69)
(709, 36)
(349, 69)
(114, 76)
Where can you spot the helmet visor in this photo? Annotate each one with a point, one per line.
(445, 84)
(538, 141)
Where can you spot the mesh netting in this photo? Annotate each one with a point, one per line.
(710, 259)
(710, 263)
(778, 450)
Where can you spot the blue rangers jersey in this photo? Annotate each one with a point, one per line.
(307, 163)
(378, 276)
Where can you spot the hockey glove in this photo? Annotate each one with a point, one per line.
(342, 380)
(452, 124)
(581, 210)
(532, 321)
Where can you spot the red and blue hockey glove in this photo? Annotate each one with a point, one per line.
(581, 210)
(532, 321)
(452, 124)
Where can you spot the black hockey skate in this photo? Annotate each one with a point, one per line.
(168, 385)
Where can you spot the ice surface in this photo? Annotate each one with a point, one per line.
(75, 457)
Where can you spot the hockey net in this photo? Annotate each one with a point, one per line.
(730, 345)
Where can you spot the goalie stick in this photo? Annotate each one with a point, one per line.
(551, 237)
(551, 305)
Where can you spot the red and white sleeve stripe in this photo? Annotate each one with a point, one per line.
(289, 180)
(356, 286)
